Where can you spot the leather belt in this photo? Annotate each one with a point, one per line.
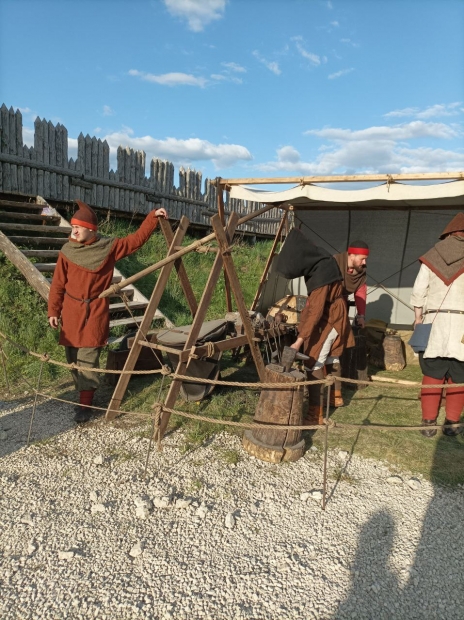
(83, 301)
(446, 311)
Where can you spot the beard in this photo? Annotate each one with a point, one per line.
(360, 269)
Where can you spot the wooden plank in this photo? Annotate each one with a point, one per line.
(21, 205)
(37, 240)
(224, 243)
(44, 267)
(12, 215)
(41, 253)
(182, 367)
(35, 228)
(201, 351)
(133, 305)
(158, 291)
(34, 277)
(179, 266)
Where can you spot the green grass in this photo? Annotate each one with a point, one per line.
(23, 317)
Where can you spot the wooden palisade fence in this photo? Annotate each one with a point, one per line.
(46, 170)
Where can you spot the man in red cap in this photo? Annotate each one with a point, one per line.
(84, 269)
(438, 298)
(352, 265)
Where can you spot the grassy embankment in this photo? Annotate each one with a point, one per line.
(23, 317)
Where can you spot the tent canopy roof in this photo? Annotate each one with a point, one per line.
(397, 196)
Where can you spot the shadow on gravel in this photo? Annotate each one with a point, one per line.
(434, 580)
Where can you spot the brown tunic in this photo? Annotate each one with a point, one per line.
(88, 274)
(325, 309)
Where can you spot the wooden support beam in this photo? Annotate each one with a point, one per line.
(182, 366)
(145, 324)
(30, 217)
(180, 268)
(201, 350)
(224, 243)
(269, 261)
(32, 275)
(343, 178)
(220, 208)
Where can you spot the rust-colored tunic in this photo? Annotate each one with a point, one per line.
(87, 324)
(325, 309)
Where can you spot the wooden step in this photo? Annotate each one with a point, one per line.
(32, 206)
(115, 280)
(128, 292)
(50, 267)
(129, 321)
(37, 240)
(41, 253)
(34, 228)
(133, 305)
(53, 220)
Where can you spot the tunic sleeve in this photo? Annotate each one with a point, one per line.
(127, 245)
(313, 311)
(58, 287)
(421, 287)
(360, 299)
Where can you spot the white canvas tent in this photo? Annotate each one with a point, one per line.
(399, 221)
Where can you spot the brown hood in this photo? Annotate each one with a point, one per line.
(456, 224)
(446, 259)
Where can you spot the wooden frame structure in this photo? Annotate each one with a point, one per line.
(222, 234)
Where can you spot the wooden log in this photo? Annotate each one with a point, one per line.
(394, 357)
(278, 406)
(34, 277)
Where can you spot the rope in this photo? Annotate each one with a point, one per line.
(256, 385)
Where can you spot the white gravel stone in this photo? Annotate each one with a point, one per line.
(97, 508)
(136, 550)
(183, 503)
(395, 480)
(162, 502)
(414, 484)
(99, 460)
(379, 550)
(142, 512)
(343, 455)
(229, 520)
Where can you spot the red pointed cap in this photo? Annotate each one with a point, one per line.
(84, 216)
(456, 224)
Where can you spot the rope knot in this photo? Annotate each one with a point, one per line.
(44, 357)
(165, 370)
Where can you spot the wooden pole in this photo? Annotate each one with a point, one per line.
(220, 208)
(224, 245)
(269, 261)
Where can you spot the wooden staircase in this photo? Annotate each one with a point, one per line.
(31, 236)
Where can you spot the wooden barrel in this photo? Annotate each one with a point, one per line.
(277, 406)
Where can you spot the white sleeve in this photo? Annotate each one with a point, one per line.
(421, 287)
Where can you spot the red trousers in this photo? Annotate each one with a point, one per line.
(430, 399)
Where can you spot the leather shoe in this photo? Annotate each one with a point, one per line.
(83, 414)
(429, 432)
(451, 432)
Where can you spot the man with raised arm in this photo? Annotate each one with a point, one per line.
(84, 269)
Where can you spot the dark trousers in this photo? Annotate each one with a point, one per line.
(87, 357)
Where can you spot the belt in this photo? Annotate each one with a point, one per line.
(446, 311)
(84, 301)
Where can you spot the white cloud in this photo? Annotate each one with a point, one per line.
(107, 111)
(233, 66)
(198, 13)
(334, 76)
(222, 77)
(407, 131)
(28, 136)
(440, 109)
(335, 24)
(25, 110)
(179, 152)
(314, 59)
(271, 65)
(372, 150)
(170, 79)
(97, 130)
(349, 42)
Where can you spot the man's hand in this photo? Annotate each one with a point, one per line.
(360, 321)
(161, 213)
(53, 321)
(418, 318)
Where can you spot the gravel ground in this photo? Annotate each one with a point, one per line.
(83, 535)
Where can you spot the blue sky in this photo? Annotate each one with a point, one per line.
(246, 88)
